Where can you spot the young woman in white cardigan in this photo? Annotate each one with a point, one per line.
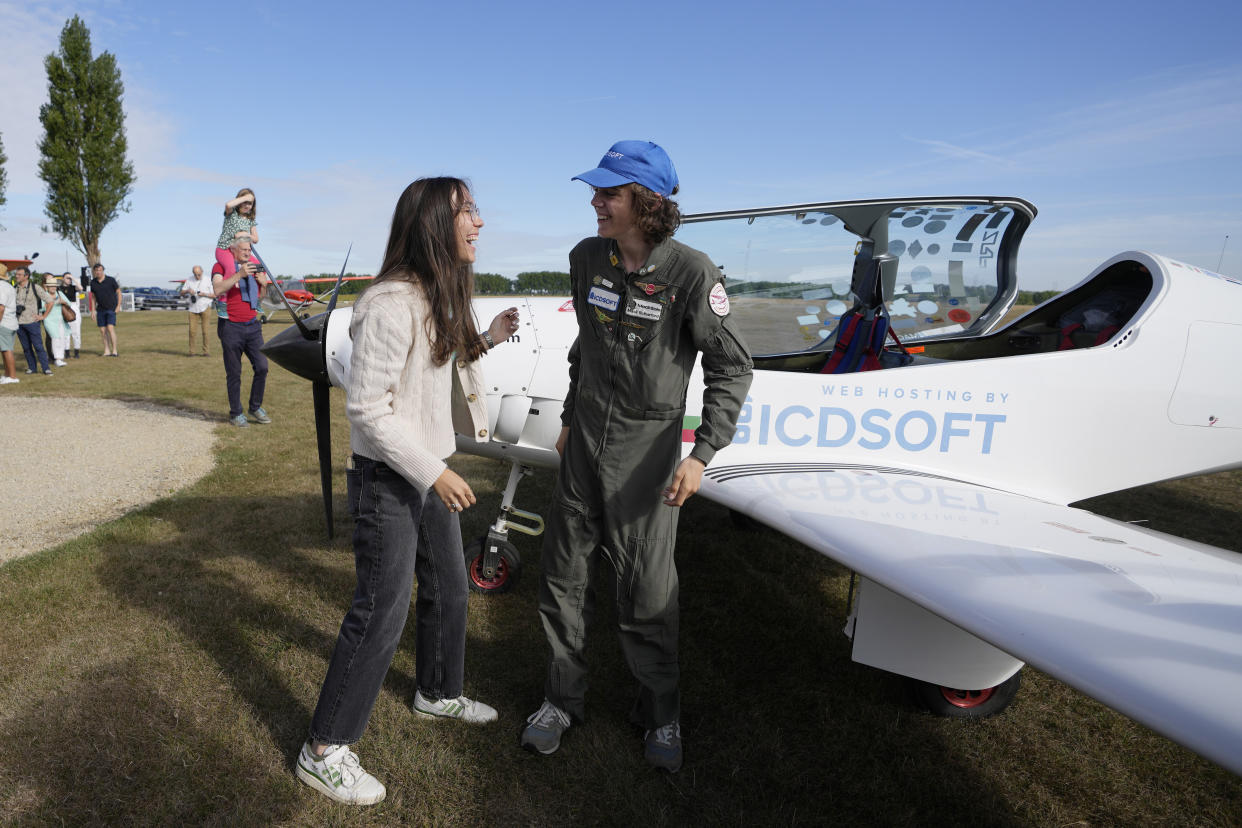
(414, 377)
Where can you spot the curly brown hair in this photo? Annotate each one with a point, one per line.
(658, 217)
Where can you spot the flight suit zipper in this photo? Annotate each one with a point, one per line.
(612, 378)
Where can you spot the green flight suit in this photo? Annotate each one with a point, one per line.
(639, 335)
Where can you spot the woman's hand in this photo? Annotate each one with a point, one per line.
(504, 325)
(454, 491)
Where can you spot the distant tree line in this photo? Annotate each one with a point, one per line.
(487, 284)
(554, 283)
(1036, 297)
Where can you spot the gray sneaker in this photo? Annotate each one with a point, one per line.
(338, 775)
(260, 416)
(662, 747)
(544, 729)
(467, 710)
(239, 421)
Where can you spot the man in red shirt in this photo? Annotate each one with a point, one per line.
(242, 332)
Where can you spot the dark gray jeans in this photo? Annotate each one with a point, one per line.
(237, 338)
(399, 533)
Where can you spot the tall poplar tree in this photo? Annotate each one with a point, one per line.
(83, 147)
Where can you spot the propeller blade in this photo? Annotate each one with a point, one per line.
(323, 437)
(336, 289)
(254, 251)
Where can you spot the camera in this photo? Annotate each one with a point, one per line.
(21, 309)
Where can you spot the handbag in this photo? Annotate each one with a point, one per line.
(69, 313)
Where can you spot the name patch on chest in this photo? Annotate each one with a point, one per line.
(605, 299)
(643, 309)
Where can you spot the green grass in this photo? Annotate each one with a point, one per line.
(162, 669)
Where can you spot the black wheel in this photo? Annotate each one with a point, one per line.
(967, 704)
(508, 566)
(306, 316)
(262, 320)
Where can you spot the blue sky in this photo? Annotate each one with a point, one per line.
(1122, 122)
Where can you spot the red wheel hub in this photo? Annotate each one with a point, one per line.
(499, 579)
(966, 698)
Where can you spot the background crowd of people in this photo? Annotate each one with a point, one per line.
(42, 313)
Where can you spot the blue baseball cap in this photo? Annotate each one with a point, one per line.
(640, 162)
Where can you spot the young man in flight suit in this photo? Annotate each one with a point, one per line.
(647, 306)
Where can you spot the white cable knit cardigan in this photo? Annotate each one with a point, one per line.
(402, 408)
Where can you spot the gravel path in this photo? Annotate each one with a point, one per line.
(73, 484)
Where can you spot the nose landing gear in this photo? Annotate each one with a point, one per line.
(492, 562)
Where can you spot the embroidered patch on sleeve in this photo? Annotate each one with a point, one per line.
(719, 300)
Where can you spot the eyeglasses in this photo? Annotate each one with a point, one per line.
(472, 209)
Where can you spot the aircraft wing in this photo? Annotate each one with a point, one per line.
(1149, 624)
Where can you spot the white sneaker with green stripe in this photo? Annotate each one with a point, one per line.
(467, 710)
(338, 775)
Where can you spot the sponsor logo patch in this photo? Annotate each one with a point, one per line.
(605, 299)
(719, 300)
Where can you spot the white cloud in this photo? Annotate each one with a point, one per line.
(30, 34)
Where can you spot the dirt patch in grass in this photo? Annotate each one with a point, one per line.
(74, 464)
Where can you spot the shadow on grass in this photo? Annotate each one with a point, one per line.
(231, 587)
(1181, 508)
(118, 748)
(780, 727)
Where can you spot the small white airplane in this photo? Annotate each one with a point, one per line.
(942, 481)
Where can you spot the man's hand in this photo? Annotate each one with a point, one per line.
(686, 481)
(560, 441)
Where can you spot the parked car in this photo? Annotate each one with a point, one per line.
(153, 298)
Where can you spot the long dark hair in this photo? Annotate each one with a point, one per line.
(422, 248)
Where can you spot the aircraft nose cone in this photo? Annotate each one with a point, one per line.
(292, 351)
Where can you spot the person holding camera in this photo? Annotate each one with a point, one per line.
(242, 332)
(31, 301)
(198, 287)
